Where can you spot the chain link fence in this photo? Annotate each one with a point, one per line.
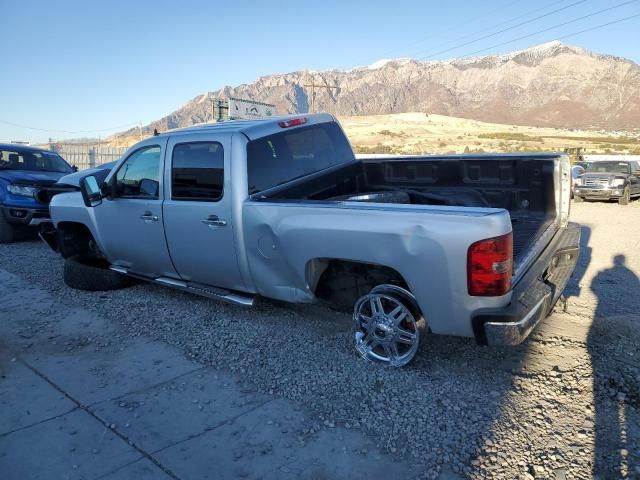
(86, 156)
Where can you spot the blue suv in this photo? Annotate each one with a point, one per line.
(24, 171)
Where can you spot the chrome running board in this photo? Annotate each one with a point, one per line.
(228, 296)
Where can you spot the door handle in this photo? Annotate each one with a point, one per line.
(214, 221)
(149, 217)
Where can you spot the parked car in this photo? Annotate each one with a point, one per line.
(582, 164)
(24, 171)
(576, 171)
(469, 245)
(608, 180)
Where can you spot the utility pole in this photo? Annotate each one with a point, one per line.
(575, 154)
(313, 87)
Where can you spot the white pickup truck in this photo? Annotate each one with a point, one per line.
(471, 245)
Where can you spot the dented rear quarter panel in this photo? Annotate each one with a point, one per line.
(427, 245)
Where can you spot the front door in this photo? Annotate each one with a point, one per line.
(197, 211)
(131, 232)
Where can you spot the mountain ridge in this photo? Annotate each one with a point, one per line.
(552, 84)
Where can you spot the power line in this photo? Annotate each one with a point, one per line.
(66, 131)
(553, 27)
(455, 47)
(506, 22)
(599, 26)
(453, 28)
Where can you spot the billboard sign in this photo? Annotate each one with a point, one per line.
(239, 108)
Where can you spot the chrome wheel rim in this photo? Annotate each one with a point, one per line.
(385, 331)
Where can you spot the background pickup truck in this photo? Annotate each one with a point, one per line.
(606, 180)
(472, 245)
(24, 171)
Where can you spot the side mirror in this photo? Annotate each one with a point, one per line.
(91, 193)
(74, 168)
(149, 187)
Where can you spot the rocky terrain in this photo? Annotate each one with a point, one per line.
(552, 84)
(563, 405)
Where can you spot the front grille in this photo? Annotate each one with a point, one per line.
(45, 194)
(595, 181)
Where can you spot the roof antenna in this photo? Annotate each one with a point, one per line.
(155, 132)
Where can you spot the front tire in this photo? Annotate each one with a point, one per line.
(89, 273)
(578, 199)
(625, 198)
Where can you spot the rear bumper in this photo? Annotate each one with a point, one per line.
(25, 215)
(598, 193)
(534, 295)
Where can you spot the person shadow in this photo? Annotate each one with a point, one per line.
(612, 345)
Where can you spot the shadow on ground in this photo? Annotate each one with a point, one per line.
(615, 391)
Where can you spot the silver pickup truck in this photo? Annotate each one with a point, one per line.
(470, 245)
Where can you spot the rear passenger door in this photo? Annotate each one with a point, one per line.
(197, 210)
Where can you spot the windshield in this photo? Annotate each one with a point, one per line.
(288, 155)
(32, 160)
(608, 167)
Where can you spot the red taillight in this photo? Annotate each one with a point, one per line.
(294, 122)
(490, 266)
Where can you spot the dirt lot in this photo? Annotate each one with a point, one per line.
(438, 134)
(565, 404)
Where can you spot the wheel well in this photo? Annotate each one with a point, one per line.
(75, 239)
(342, 282)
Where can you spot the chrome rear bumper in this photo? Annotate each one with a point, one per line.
(534, 295)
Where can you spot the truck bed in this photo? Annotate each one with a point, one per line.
(523, 185)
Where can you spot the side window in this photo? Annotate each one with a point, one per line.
(139, 175)
(197, 171)
(11, 159)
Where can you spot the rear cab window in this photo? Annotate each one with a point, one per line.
(197, 171)
(290, 154)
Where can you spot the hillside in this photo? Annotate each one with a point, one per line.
(417, 132)
(437, 134)
(549, 85)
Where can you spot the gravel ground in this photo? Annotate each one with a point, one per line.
(565, 404)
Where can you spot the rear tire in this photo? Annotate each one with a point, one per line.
(625, 198)
(392, 332)
(7, 231)
(86, 272)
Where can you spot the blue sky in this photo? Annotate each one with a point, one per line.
(76, 66)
